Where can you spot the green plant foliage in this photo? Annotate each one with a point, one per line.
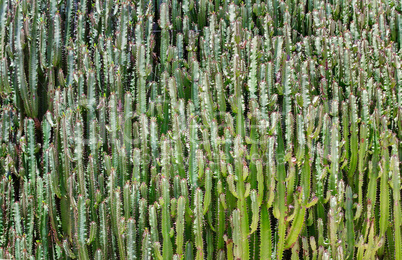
(200, 129)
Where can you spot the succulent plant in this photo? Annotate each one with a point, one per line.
(200, 129)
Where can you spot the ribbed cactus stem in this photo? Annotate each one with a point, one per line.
(165, 203)
(82, 228)
(198, 225)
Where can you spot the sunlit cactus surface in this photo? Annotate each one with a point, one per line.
(200, 129)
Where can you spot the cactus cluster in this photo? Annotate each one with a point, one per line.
(182, 129)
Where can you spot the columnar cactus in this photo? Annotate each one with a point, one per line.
(200, 129)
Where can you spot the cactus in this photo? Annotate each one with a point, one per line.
(165, 201)
(153, 130)
(396, 198)
(180, 226)
(81, 228)
(281, 174)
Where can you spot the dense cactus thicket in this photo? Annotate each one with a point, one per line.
(183, 129)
